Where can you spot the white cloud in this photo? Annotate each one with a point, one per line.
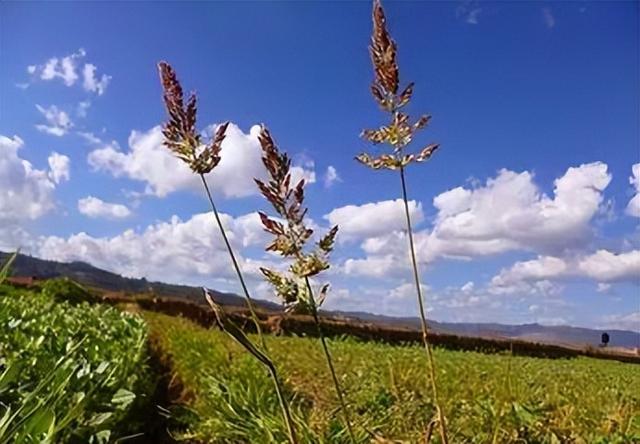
(187, 251)
(507, 213)
(64, 68)
(542, 268)
(379, 266)
(90, 137)
(298, 172)
(97, 208)
(406, 292)
(373, 219)
(510, 212)
(150, 162)
(59, 167)
(331, 177)
(26, 193)
(68, 69)
(602, 266)
(468, 287)
(91, 83)
(628, 321)
(469, 11)
(633, 208)
(549, 19)
(58, 122)
(605, 266)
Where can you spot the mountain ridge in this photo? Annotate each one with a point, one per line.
(90, 275)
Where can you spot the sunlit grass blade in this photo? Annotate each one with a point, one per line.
(6, 267)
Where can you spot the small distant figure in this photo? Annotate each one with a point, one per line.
(605, 339)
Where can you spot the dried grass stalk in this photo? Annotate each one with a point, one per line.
(398, 134)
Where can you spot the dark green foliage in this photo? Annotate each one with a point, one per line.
(72, 371)
(65, 290)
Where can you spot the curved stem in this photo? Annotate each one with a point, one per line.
(423, 318)
(325, 348)
(272, 370)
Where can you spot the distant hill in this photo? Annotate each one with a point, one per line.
(96, 277)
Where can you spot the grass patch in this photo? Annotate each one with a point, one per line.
(489, 398)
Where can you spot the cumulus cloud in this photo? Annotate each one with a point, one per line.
(59, 166)
(373, 219)
(58, 122)
(633, 208)
(26, 193)
(68, 69)
(147, 160)
(507, 213)
(97, 208)
(510, 212)
(602, 266)
(175, 251)
(379, 266)
(331, 177)
(605, 266)
(63, 68)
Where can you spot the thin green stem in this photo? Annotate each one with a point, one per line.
(272, 369)
(327, 354)
(223, 232)
(423, 318)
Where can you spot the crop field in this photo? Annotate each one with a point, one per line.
(227, 396)
(69, 371)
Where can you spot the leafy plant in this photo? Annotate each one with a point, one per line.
(69, 373)
(398, 134)
(290, 239)
(182, 138)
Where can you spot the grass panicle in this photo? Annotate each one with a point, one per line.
(398, 134)
(183, 139)
(290, 238)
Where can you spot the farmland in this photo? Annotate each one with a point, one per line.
(488, 398)
(70, 371)
(80, 372)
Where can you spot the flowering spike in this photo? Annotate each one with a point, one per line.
(290, 238)
(399, 133)
(180, 134)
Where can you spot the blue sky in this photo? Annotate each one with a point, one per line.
(522, 95)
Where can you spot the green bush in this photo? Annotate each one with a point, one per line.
(69, 372)
(67, 290)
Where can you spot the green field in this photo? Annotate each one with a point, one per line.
(69, 371)
(488, 398)
(75, 372)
